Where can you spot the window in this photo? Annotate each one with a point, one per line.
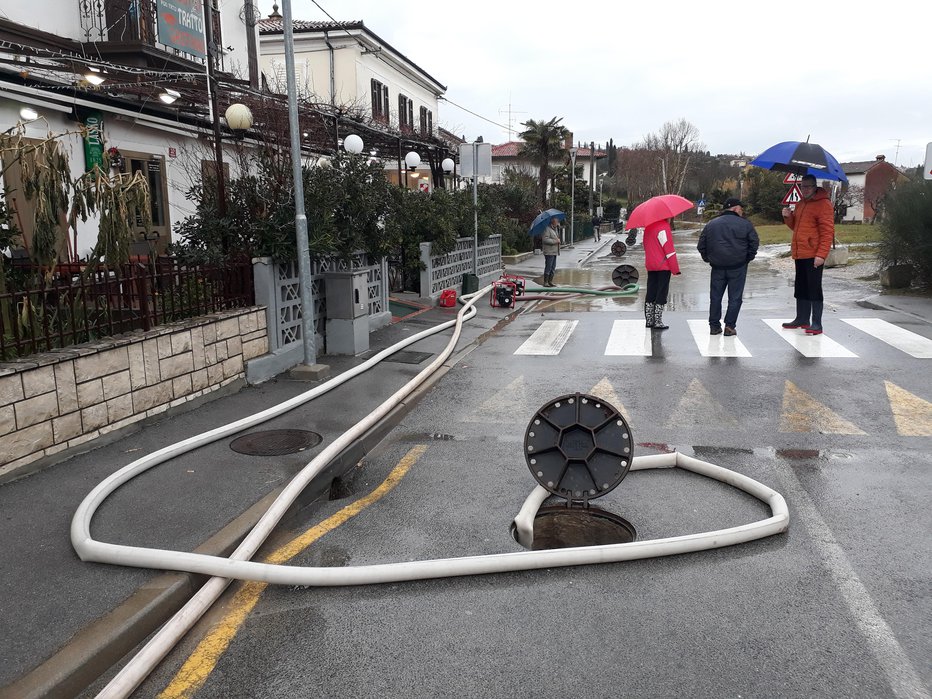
(379, 101)
(427, 122)
(405, 114)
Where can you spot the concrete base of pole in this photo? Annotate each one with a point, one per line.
(310, 372)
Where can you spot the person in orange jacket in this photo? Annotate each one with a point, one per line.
(660, 260)
(813, 225)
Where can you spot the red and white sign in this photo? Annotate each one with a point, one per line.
(792, 178)
(172, 153)
(424, 187)
(794, 196)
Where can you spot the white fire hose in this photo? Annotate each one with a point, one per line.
(238, 565)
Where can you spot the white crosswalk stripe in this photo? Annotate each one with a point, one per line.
(809, 345)
(895, 336)
(715, 345)
(549, 338)
(629, 338)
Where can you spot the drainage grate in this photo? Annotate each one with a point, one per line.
(409, 357)
(275, 442)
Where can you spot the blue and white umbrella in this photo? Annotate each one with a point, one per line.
(801, 159)
(543, 220)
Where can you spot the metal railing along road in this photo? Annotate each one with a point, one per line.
(74, 306)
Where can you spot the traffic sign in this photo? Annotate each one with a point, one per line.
(792, 178)
(927, 173)
(794, 196)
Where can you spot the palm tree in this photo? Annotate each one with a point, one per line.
(543, 141)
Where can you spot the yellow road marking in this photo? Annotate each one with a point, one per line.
(803, 413)
(203, 660)
(698, 407)
(606, 391)
(912, 414)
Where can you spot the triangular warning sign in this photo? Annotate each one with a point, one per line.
(912, 414)
(793, 196)
(803, 413)
(606, 392)
(698, 407)
(792, 178)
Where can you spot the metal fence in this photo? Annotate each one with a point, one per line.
(73, 307)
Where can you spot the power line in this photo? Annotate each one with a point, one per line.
(459, 106)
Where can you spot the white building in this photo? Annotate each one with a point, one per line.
(348, 67)
(56, 51)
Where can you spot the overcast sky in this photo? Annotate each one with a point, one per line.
(853, 76)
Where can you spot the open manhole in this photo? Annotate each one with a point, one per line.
(560, 527)
(275, 442)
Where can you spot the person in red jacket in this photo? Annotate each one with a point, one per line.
(813, 225)
(660, 261)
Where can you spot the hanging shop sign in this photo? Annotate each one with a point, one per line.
(181, 26)
(93, 122)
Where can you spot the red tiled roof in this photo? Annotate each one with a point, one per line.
(513, 148)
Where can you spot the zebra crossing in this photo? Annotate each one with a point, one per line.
(630, 338)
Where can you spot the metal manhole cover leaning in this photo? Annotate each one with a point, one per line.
(275, 442)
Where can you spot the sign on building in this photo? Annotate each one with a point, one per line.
(181, 26)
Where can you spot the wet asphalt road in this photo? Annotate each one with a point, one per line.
(836, 607)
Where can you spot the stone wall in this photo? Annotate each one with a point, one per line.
(58, 401)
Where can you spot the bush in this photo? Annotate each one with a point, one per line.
(907, 228)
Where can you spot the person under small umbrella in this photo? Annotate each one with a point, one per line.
(551, 246)
(660, 261)
(728, 243)
(813, 226)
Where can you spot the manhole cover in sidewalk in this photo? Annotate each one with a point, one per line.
(275, 442)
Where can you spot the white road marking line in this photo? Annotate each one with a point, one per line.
(549, 338)
(809, 345)
(715, 345)
(902, 676)
(913, 344)
(629, 338)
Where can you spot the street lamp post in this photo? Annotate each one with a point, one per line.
(573, 152)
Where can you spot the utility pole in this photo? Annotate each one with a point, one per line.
(591, 174)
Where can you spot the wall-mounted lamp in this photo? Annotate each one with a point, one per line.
(353, 144)
(168, 96)
(28, 114)
(412, 160)
(94, 75)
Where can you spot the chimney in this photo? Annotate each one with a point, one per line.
(881, 158)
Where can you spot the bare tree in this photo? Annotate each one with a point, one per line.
(673, 146)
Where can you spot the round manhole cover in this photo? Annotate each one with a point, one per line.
(623, 275)
(275, 442)
(619, 248)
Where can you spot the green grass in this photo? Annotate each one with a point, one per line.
(845, 233)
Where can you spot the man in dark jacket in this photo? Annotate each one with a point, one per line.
(728, 243)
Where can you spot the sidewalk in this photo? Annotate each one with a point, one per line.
(67, 622)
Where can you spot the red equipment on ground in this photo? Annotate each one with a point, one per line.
(503, 294)
(447, 298)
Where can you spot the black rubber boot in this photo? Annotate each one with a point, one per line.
(658, 317)
(803, 309)
(815, 327)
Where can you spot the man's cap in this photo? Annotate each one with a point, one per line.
(732, 202)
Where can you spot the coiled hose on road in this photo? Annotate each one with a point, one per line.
(238, 565)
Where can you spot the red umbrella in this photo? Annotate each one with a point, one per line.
(657, 208)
